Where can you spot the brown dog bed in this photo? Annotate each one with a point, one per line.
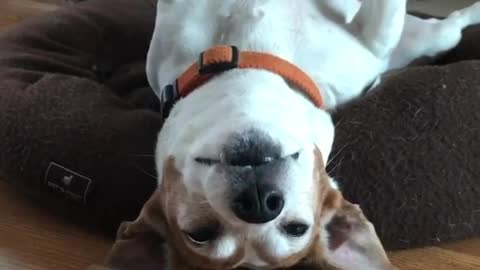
(78, 125)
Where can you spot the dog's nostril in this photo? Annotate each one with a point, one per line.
(244, 206)
(258, 204)
(274, 201)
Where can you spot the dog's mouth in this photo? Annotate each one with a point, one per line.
(207, 161)
(242, 163)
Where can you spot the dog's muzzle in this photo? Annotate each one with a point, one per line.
(252, 164)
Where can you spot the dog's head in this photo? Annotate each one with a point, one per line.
(242, 182)
(197, 236)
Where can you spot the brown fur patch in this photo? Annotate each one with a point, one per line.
(169, 197)
(327, 199)
(347, 222)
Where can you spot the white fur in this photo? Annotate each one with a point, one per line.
(225, 248)
(343, 45)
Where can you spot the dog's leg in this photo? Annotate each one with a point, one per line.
(380, 25)
(432, 36)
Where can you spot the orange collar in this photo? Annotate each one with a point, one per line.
(222, 58)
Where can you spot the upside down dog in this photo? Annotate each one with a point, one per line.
(246, 86)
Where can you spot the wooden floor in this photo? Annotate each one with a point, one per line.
(12, 11)
(32, 239)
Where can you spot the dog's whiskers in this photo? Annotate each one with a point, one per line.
(336, 154)
(202, 202)
(338, 123)
(336, 166)
(142, 155)
(147, 173)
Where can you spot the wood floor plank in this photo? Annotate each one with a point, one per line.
(471, 247)
(14, 11)
(434, 258)
(54, 2)
(31, 238)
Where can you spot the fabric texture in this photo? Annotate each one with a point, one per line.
(72, 92)
(79, 124)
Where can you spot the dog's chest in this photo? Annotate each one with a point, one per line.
(308, 33)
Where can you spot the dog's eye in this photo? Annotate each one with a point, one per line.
(295, 229)
(206, 161)
(205, 234)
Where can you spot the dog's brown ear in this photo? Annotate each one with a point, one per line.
(140, 245)
(349, 242)
(346, 239)
(137, 247)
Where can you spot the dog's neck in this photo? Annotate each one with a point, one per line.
(283, 29)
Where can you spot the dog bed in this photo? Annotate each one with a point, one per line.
(78, 125)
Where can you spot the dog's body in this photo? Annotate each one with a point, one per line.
(249, 131)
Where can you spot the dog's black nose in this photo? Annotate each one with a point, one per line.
(259, 203)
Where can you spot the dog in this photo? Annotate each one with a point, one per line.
(246, 89)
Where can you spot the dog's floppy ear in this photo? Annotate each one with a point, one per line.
(137, 247)
(345, 240)
(140, 245)
(348, 241)
(352, 242)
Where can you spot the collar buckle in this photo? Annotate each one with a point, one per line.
(168, 98)
(209, 62)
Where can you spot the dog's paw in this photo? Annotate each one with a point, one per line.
(470, 15)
